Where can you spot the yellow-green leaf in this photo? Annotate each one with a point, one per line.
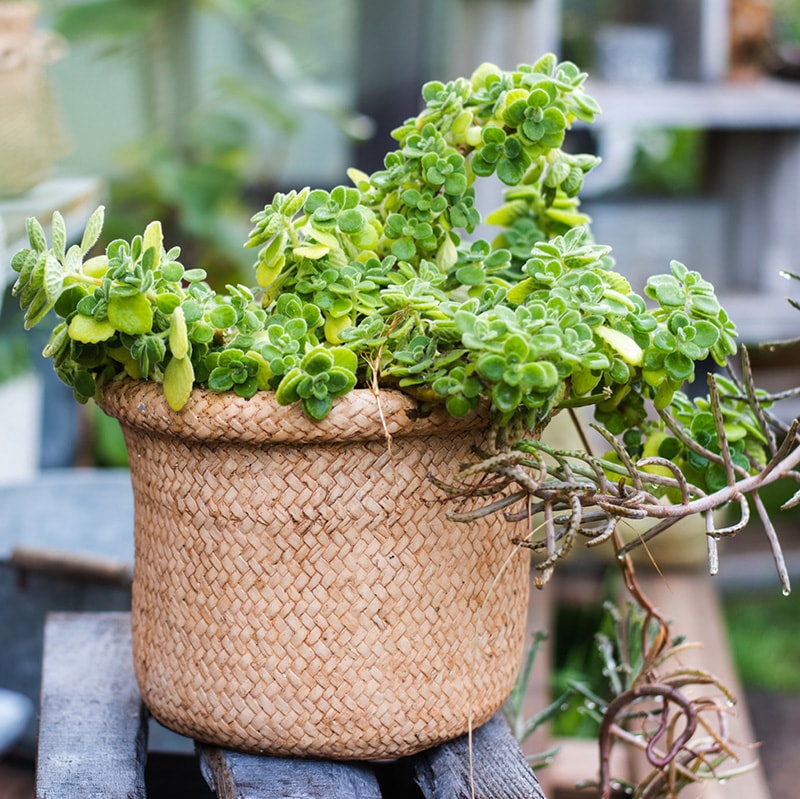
(321, 237)
(178, 382)
(132, 315)
(447, 254)
(96, 267)
(623, 345)
(334, 327)
(266, 273)
(153, 237)
(264, 373)
(178, 335)
(312, 252)
(518, 293)
(360, 179)
(507, 214)
(88, 330)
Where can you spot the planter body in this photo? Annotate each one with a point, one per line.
(297, 587)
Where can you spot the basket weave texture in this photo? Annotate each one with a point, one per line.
(297, 587)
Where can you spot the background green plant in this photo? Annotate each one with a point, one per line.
(207, 138)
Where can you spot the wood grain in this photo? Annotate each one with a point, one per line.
(92, 739)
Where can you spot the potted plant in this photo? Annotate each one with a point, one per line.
(283, 601)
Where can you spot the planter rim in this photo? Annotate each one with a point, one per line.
(361, 415)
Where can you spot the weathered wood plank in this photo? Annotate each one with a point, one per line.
(234, 775)
(92, 740)
(498, 768)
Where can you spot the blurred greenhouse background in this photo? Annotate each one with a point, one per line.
(196, 111)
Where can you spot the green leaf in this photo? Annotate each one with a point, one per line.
(194, 275)
(705, 334)
(84, 384)
(458, 406)
(317, 407)
(38, 240)
(678, 366)
(317, 361)
(511, 172)
(491, 367)
(58, 234)
(286, 392)
(506, 398)
(404, 249)
(223, 316)
(704, 305)
(94, 227)
(540, 375)
(53, 278)
(340, 382)
(37, 310)
(472, 275)
(516, 347)
(89, 330)
(666, 290)
(132, 314)
(172, 272)
(351, 221)
(220, 379)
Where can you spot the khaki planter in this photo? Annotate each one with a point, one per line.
(297, 587)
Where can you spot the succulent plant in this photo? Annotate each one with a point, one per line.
(384, 282)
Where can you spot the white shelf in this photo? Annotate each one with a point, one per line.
(760, 105)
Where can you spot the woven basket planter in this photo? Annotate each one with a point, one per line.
(297, 587)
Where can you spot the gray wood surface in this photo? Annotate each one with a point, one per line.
(235, 776)
(92, 739)
(498, 767)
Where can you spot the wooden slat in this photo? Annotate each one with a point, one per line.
(92, 740)
(497, 769)
(238, 776)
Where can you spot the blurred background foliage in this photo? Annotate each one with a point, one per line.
(210, 98)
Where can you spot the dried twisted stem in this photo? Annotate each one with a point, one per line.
(576, 494)
(573, 492)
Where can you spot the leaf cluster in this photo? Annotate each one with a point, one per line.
(382, 280)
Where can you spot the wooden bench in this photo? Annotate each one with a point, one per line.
(93, 742)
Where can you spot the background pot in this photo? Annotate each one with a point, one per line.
(297, 587)
(31, 136)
